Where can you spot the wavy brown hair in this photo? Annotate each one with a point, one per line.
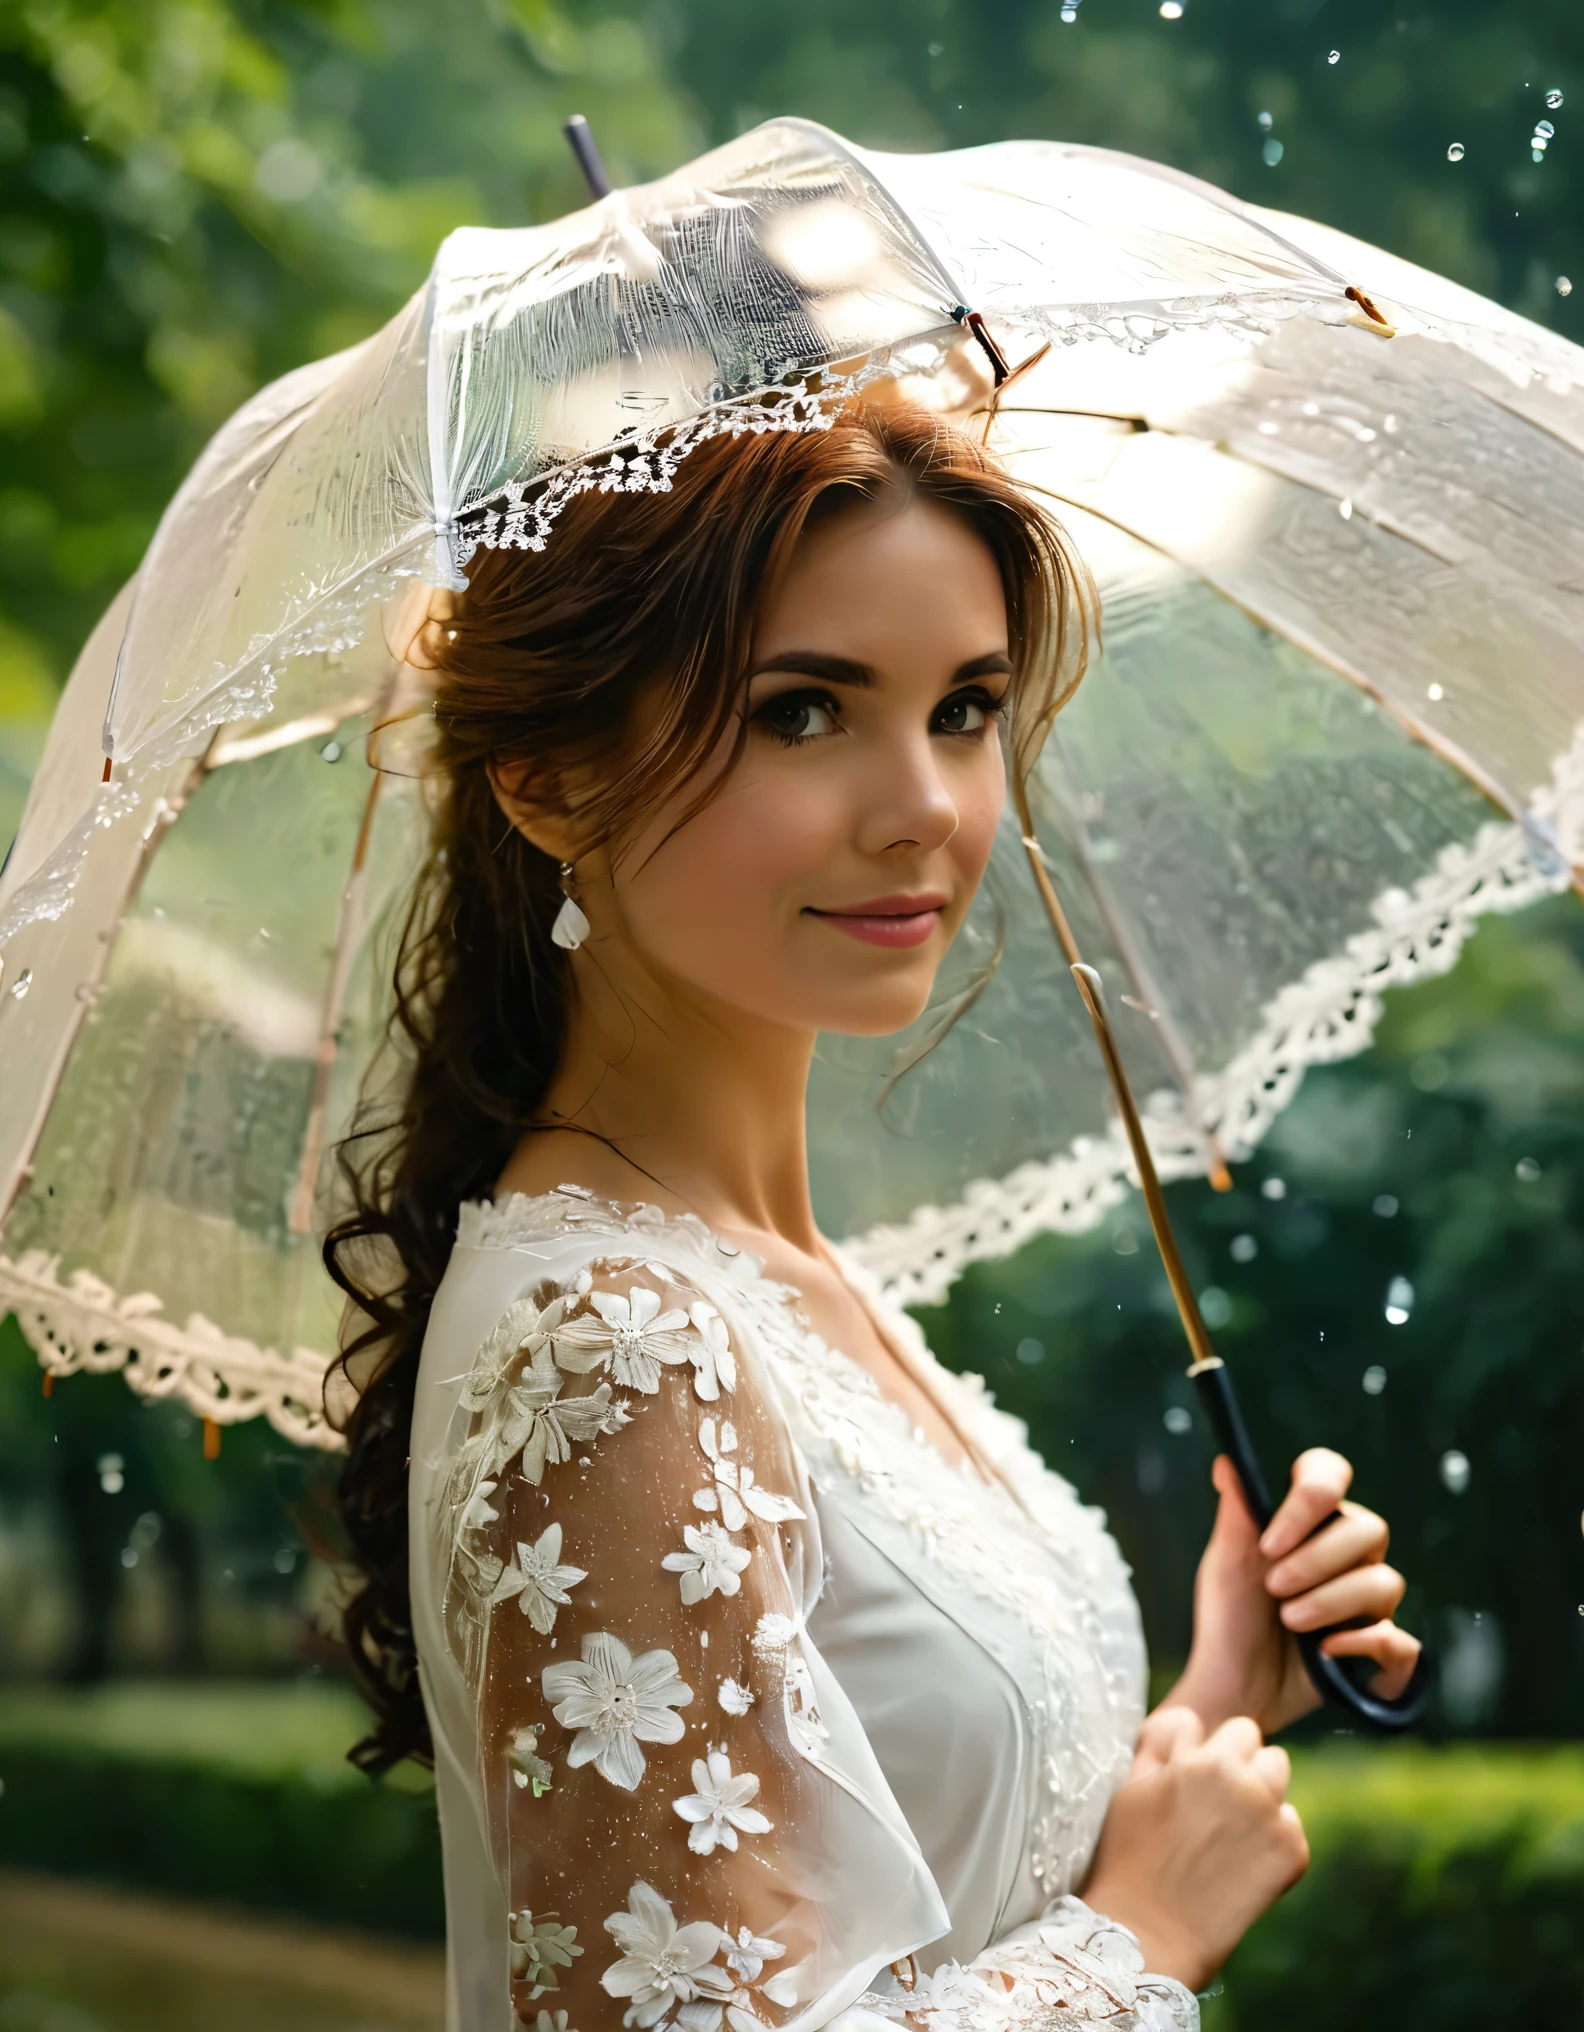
(651, 598)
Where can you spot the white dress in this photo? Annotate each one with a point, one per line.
(749, 1710)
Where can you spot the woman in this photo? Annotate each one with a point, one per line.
(770, 1678)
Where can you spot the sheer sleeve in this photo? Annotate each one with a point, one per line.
(685, 1816)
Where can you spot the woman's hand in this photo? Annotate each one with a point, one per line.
(1255, 1590)
(1197, 1844)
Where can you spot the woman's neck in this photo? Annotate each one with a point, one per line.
(661, 1096)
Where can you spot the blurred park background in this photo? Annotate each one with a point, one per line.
(196, 195)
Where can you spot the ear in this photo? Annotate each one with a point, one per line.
(411, 624)
(534, 806)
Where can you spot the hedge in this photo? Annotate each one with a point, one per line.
(1447, 1887)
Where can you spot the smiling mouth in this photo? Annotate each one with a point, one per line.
(896, 921)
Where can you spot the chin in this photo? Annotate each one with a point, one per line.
(872, 1016)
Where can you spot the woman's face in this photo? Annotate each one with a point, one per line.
(822, 883)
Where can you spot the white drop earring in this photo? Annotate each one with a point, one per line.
(571, 927)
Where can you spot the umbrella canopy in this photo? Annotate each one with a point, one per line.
(1334, 506)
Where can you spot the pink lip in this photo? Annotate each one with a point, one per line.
(899, 922)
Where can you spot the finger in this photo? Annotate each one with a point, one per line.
(1235, 1528)
(1297, 1839)
(1320, 1480)
(1357, 1538)
(1393, 1650)
(1168, 1733)
(1238, 1741)
(1273, 1768)
(1370, 1592)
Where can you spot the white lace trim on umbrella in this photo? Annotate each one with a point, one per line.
(1328, 1014)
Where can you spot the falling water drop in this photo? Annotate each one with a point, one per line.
(1564, 286)
(1335, 56)
(21, 984)
(1399, 1301)
(1171, 10)
(1266, 121)
(1544, 131)
(1455, 152)
(1273, 151)
(1455, 1471)
(1374, 1380)
(1553, 98)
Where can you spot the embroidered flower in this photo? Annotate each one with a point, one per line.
(615, 1702)
(477, 1512)
(714, 1364)
(527, 1766)
(749, 1953)
(734, 1697)
(734, 1489)
(773, 1632)
(538, 1948)
(711, 1564)
(719, 1809)
(660, 1960)
(538, 1582)
(543, 1429)
(631, 1336)
(524, 1330)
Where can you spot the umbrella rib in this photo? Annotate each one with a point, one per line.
(1449, 752)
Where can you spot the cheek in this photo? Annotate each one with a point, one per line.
(719, 898)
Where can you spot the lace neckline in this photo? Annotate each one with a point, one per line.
(521, 1216)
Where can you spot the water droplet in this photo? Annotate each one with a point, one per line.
(1215, 1307)
(1544, 131)
(1030, 1351)
(1335, 56)
(1564, 286)
(1384, 1205)
(1374, 1380)
(1266, 122)
(1171, 10)
(1178, 1420)
(1527, 1170)
(1273, 152)
(1455, 152)
(1429, 1072)
(1069, 14)
(1345, 510)
(1399, 1301)
(1274, 1188)
(1435, 693)
(330, 752)
(1455, 1470)
(128, 1556)
(1243, 1249)
(21, 984)
(937, 49)
(1125, 1242)
(1553, 98)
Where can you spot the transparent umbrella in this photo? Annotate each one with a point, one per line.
(1334, 508)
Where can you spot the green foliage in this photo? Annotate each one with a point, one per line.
(1444, 1891)
(232, 1793)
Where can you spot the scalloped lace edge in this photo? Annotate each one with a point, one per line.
(84, 1325)
(1330, 1013)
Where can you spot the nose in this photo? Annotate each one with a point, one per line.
(907, 803)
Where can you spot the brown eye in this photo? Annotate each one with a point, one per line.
(966, 712)
(798, 716)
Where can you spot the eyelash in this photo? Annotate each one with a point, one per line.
(975, 695)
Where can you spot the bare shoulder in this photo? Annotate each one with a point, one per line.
(547, 1158)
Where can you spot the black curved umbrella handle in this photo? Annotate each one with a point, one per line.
(1218, 1400)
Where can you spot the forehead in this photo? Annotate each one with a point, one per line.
(888, 572)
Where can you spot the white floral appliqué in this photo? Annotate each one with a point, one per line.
(734, 1697)
(538, 1581)
(660, 1960)
(616, 1701)
(734, 1492)
(538, 1948)
(631, 1336)
(712, 1564)
(523, 1330)
(720, 1809)
(714, 1364)
(544, 1429)
(527, 1766)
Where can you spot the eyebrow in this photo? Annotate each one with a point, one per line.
(845, 670)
